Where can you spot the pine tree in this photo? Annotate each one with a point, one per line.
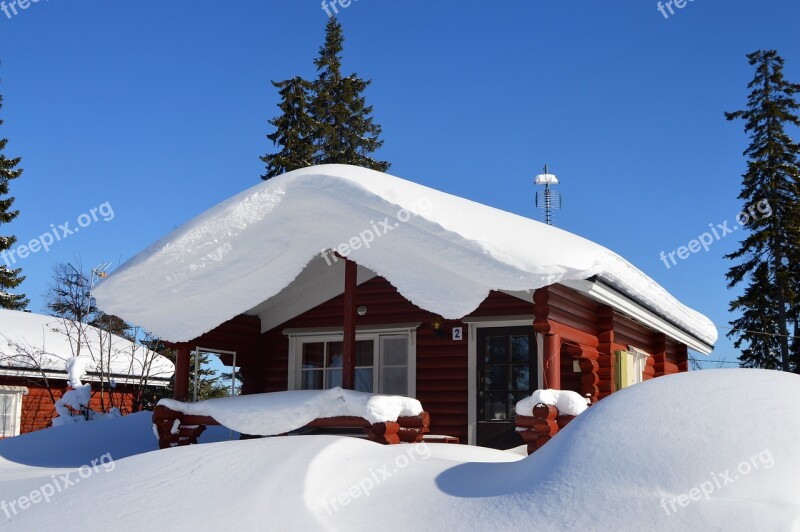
(346, 133)
(9, 278)
(768, 256)
(294, 129)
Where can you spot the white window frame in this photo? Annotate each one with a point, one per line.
(298, 337)
(639, 363)
(16, 417)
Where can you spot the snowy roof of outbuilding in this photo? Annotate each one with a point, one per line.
(442, 252)
(30, 342)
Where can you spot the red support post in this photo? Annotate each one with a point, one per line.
(182, 373)
(552, 361)
(349, 343)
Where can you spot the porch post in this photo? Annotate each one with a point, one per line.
(552, 361)
(551, 358)
(349, 343)
(182, 373)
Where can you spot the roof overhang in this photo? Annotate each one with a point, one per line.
(30, 373)
(602, 293)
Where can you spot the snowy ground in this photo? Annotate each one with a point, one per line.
(709, 450)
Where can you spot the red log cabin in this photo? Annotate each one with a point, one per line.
(465, 307)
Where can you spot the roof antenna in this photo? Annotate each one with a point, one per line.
(98, 272)
(547, 199)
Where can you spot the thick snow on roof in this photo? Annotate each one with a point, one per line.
(712, 450)
(35, 341)
(442, 252)
(268, 414)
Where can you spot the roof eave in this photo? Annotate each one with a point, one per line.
(603, 293)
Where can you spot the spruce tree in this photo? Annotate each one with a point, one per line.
(294, 129)
(346, 132)
(768, 257)
(10, 278)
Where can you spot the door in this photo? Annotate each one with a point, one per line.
(507, 373)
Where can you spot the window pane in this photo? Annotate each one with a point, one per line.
(520, 348)
(496, 406)
(364, 379)
(334, 378)
(313, 355)
(364, 352)
(312, 380)
(7, 414)
(334, 358)
(497, 377)
(395, 381)
(520, 378)
(496, 350)
(395, 350)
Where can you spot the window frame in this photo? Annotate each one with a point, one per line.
(17, 392)
(299, 337)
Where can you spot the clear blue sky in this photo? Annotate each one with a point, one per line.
(161, 109)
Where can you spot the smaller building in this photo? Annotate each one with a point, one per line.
(34, 350)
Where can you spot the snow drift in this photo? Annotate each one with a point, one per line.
(711, 450)
(443, 253)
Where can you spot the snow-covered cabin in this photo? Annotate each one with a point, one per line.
(337, 275)
(34, 353)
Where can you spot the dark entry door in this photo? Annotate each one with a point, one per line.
(507, 373)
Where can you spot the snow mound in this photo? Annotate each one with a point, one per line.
(443, 253)
(710, 450)
(268, 414)
(73, 445)
(567, 402)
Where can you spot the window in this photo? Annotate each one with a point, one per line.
(322, 365)
(382, 362)
(629, 367)
(10, 410)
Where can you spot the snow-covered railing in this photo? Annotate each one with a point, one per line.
(383, 418)
(540, 416)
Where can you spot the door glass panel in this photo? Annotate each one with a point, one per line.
(497, 377)
(496, 409)
(520, 377)
(496, 350)
(520, 350)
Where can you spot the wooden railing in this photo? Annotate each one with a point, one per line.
(542, 426)
(177, 429)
